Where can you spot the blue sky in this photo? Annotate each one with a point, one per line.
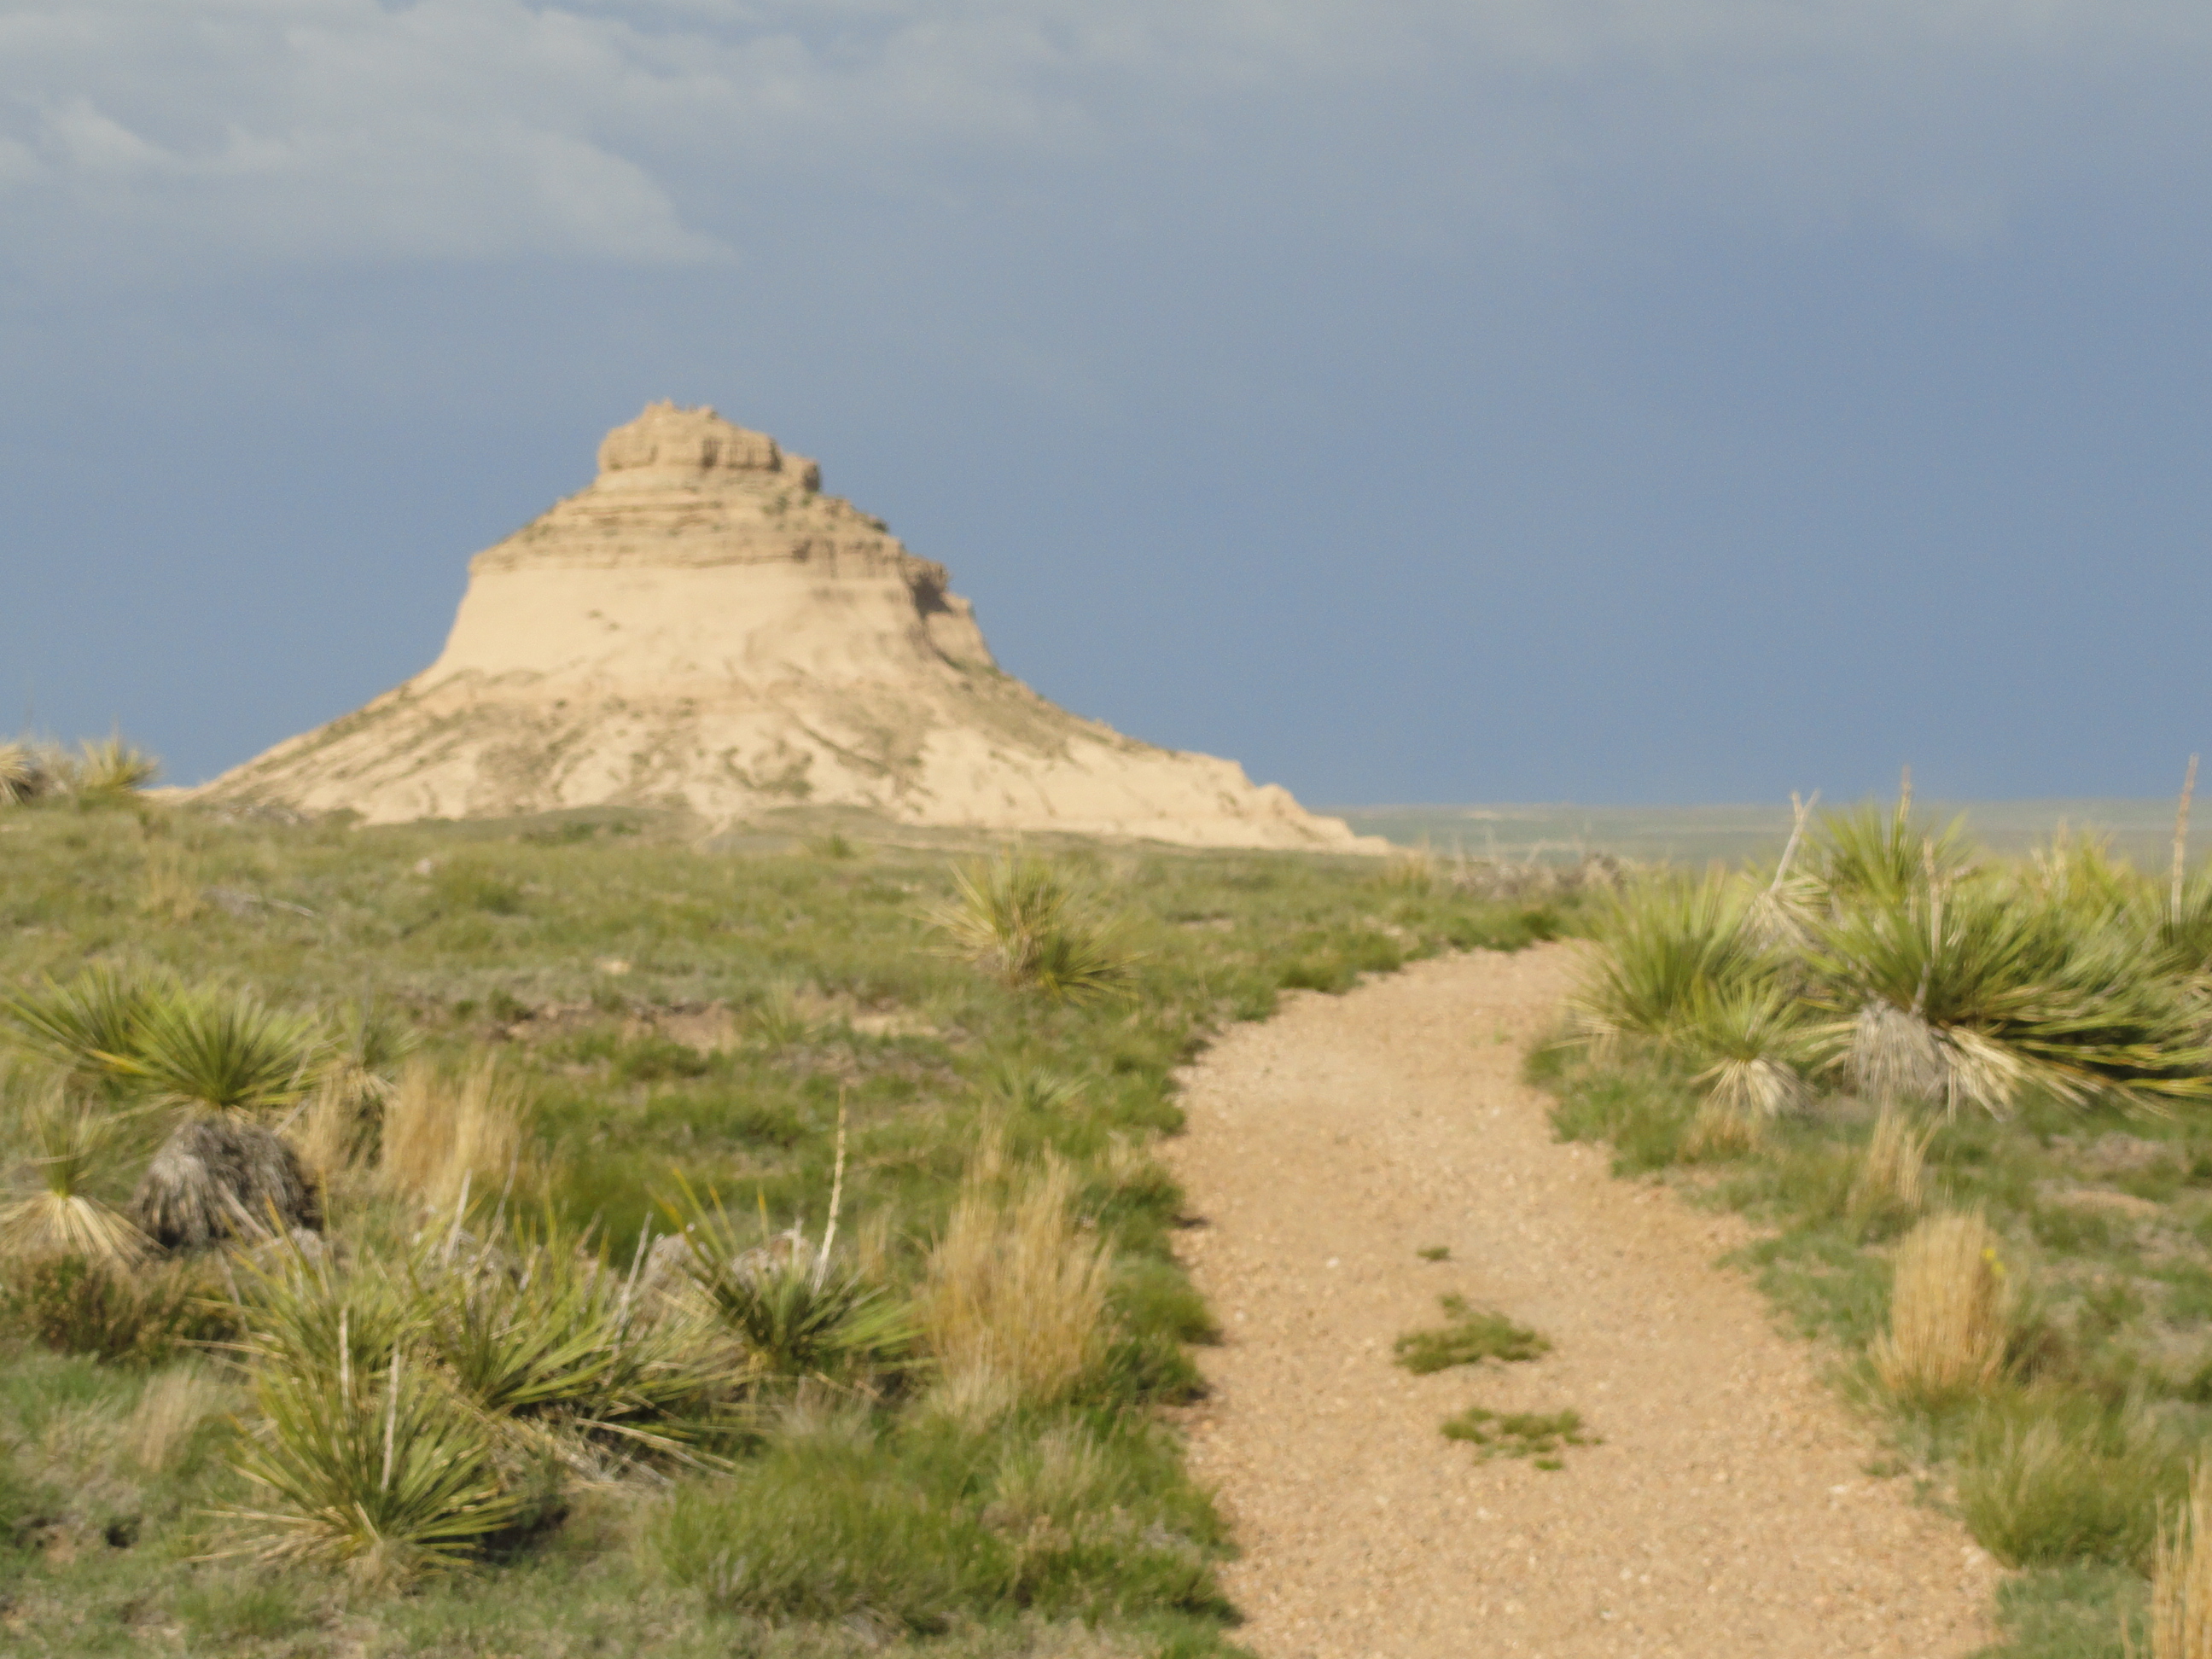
(1499, 400)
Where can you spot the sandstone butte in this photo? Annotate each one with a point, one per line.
(702, 627)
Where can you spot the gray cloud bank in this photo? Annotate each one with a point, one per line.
(148, 137)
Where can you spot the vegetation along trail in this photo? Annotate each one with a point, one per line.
(1723, 1505)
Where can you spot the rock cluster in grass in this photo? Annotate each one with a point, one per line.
(702, 627)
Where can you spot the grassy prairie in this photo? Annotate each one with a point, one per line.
(1966, 1098)
(2137, 830)
(755, 1023)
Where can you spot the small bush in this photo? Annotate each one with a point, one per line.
(917, 1530)
(1892, 1175)
(1949, 1313)
(1473, 1335)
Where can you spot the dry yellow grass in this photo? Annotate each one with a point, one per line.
(171, 892)
(2181, 1581)
(1014, 1305)
(1949, 1312)
(170, 1412)
(1894, 1168)
(443, 1130)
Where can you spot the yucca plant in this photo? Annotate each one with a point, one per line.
(20, 773)
(1752, 1041)
(108, 768)
(1866, 853)
(1661, 947)
(1018, 920)
(540, 1330)
(224, 1050)
(1967, 994)
(796, 1311)
(305, 1315)
(386, 1474)
(72, 1147)
(88, 1026)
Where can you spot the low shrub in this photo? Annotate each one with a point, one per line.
(906, 1531)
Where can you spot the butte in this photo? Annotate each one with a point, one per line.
(701, 628)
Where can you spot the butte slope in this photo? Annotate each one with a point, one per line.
(702, 627)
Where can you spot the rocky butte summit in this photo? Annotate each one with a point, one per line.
(702, 627)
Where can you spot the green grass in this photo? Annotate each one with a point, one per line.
(1539, 1436)
(693, 1013)
(1469, 1336)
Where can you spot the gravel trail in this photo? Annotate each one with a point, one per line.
(1727, 1510)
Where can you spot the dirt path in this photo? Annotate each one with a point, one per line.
(1728, 1510)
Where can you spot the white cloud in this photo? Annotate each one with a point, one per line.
(636, 130)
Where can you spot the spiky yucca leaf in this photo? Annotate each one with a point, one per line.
(71, 1148)
(1663, 945)
(1865, 853)
(538, 1328)
(387, 1474)
(797, 1310)
(1015, 918)
(1968, 995)
(89, 1025)
(109, 767)
(225, 1050)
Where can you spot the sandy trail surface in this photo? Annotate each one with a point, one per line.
(1728, 1509)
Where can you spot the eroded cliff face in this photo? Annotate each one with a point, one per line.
(701, 626)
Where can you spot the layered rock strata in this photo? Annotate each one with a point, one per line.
(702, 627)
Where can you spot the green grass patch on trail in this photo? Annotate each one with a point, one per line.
(1469, 1336)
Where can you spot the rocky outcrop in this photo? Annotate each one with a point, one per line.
(702, 627)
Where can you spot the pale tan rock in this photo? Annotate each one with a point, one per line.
(702, 627)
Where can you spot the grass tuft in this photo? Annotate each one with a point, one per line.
(1949, 1314)
(2181, 1578)
(1538, 1435)
(1013, 1301)
(1473, 1335)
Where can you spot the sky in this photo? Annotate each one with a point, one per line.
(1612, 401)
